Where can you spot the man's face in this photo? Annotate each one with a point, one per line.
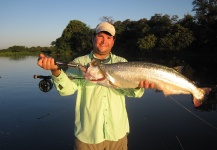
(103, 43)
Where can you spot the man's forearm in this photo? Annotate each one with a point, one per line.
(56, 73)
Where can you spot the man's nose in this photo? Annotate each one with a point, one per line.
(102, 41)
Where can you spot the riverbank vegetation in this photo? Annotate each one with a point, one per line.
(161, 34)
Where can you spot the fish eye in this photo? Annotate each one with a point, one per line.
(95, 62)
(87, 66)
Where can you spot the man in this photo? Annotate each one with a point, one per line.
(101, 121)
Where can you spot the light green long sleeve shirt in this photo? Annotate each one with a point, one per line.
(100, 112)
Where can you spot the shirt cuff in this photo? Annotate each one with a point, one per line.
(60, 81)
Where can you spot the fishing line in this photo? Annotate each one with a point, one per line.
(179, 142)
(194, 114)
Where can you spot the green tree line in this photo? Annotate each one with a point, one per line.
(159, 34)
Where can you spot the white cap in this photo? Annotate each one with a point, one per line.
(105, 26)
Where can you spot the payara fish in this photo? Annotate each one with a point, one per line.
(129, 75)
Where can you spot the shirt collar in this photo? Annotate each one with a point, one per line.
(103, 61)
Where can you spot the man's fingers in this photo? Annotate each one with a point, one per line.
(141, 84)
(82, 68)
(46, 63)
(152, 85)
(146, 84)
(41, 55)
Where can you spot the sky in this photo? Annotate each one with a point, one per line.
(32, 23)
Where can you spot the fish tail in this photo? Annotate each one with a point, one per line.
(198, 102)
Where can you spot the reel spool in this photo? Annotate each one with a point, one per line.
(45, 85)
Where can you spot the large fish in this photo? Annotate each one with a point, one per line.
(129, 75)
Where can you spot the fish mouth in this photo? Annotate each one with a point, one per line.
(100, 79)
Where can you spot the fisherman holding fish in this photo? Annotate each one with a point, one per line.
(101, 121)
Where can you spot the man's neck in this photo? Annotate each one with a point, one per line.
(101, 56)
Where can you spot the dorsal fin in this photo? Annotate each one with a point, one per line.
(178, 68)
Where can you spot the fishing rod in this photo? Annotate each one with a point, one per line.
(66, 64)
(46, 83)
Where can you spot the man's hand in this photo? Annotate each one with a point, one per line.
(146, 84)
(47, 63)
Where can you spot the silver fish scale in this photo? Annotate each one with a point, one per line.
(129, 74)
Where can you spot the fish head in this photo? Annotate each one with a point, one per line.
(93, 72)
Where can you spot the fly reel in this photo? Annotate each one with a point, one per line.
(45, 85)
